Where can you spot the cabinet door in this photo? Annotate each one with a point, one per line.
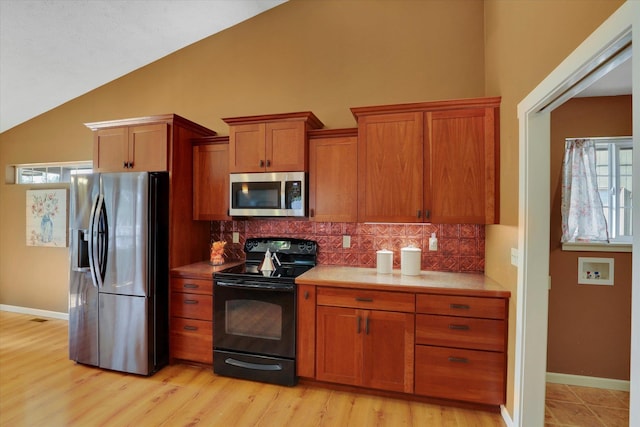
(285, 147)
(333, 179)
(388, 351)
(246, 148)
(211, 182)
(463, 151)
(390, 168)
(110, 149)
(339, 345)
(306, 332)
(147, 150)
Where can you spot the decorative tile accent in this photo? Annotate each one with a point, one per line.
(460, 246)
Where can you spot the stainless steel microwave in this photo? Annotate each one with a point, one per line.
(267, 194)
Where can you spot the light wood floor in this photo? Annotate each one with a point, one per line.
(39, 386)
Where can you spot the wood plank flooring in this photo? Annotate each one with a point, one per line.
(39, 386)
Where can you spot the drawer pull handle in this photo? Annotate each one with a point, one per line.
(190, 328)
(306, 294)
(191, 286)
(190, 301)
(366, 325)
(459, 306)
(459, 327)
(361, 299)
(458, 359)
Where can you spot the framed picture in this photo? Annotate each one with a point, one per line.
(47, 217)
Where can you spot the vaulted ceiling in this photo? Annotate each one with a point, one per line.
(52, 51)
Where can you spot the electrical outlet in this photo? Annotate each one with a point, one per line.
(236, 237)
(514, 256)
(346, 241)
(433, 244)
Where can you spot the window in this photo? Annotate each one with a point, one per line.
(44, 173)
(614, 171)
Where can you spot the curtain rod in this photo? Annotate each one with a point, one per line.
(599, 138)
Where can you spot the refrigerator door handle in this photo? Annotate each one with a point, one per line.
(98, 243)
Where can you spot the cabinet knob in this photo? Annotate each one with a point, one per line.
(268, 163)
(419, 214)
(125, 164)
(261, 163)
(306, 294)
(426, 214)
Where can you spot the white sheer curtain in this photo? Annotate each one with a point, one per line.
(583, 218)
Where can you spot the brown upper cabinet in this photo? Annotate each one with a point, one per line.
(159, 143)
(333, 175)
(270, 143)
(429, 162)
(211, 178)
(131, 148)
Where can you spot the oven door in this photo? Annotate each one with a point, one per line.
(255, 317)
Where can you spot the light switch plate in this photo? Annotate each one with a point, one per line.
(514, 256)
(236, 237)
(346, 241)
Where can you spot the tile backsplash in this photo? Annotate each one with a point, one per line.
(460, 246)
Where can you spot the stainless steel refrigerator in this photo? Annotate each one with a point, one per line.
(119, 271)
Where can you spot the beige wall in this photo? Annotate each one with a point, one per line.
(589, 326)
(524, 41)
(323, 56)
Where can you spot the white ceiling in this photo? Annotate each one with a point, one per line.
(52, 51)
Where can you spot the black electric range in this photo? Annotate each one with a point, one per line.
(255, 311)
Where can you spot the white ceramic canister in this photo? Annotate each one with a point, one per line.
(384, 261)
(410, 261)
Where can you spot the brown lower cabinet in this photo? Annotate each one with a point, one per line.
(434, 345)
(365, 338)
(191, 325)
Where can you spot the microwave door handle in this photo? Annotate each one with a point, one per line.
(283, 194)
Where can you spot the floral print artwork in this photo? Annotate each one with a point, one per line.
(47, 218)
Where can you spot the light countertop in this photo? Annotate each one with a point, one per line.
(203, 269)
(470, 284)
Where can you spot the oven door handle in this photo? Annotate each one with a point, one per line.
(254, 366)
(257, 286)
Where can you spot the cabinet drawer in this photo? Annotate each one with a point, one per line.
(466, 375)
(194, 286)
(192, 340)
(191, 306)
(366, 299)
(450, 305)
(462, 332)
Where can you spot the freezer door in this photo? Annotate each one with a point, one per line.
(126, 209)
(83, 319)
(124, 334)
(83, 296)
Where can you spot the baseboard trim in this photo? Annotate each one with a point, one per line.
(34, 312)
(506, 416)
(596, 382)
